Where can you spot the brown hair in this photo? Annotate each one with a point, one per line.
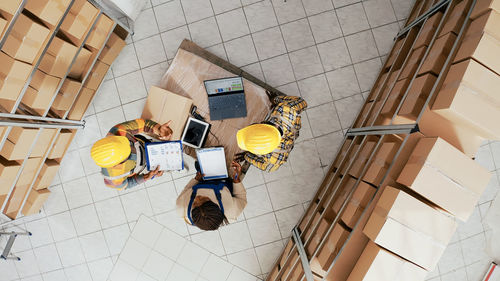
(208, 216)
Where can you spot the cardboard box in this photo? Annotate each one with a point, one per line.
(47, 174)
(28, 174)
(468, 96)
(307, 216)
(410, 228)
(112, 49)
(67, 94)
(10, 6)
(42, 89)
(381, 161)
(363, 115)
(488, 23)
(413, 62)
(482, 48)
(428, 30)
(96, 75)
(8, 173)
(376, 264)
(438, 54)
(43, 142)
(346, 187)
(58, 58)
(13, 75)
(359, 200)
(394, 53)
(98, 35)
(484, 6)
(35, 201)
(162, 106)
(49, 11)
(374, 115)
(62, 142)
(457, 134)
(3, 25)
(81, 104)
(394, 98)
(80, 67)
(417, 95)
(436, 169)
(331, 248)
(456, 18)
(79, 20)
(342, 152)
(317, 236)
(25, 39)
(18, 143)
(362, 156)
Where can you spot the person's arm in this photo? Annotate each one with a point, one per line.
(125, 182)
(256, 160)
(296, 103)
(184, 197)
(239, 198)
(133, 127)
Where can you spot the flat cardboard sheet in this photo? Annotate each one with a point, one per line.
(185, 77)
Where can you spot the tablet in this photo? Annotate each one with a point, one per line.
(195, 132)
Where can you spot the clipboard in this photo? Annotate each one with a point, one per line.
(212, 162)
(166, 154)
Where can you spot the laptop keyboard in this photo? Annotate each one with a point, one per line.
(231, 106)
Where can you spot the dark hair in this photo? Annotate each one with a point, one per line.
(208, 216)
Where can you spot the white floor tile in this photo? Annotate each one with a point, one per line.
(56, 203)
(288, 218)
(162, 197)
(157, 266)
(193, 257)
(235, 237)
(110, 212)
(146, 231)
(85, 219)
(126, 62)
(232, 24)
(352, 19)
(173, 38)
(209, 240)
(205, 33)
(306, 62)
(221, 6)
(315, 90)
(258, 202)
(116, 237)
(181, 273)
(100, 269)
(246, 260)
(70, 252)
(107, 96)
(151, 51)
(62, 226)
(260, 16)
(71, 167)
(264, 229)
(8, 269)
(77, 193)
(197, 9)
(169, 15)
(174, 222)
(241, 51)
(94, 246)
(47, 258)
(216, 269)
(131, 87)
(145, 25)
(267, 254)
(123, 272)
(41, 232)
(325, 26)
(297, 35)
(170, 244)
(57, 275)
(109, 118)
(269, 43)
(288, 11)
(317, 6)
(135, 204)
(135, 253)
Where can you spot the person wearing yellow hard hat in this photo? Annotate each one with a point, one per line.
(269, 143)
(121, 153)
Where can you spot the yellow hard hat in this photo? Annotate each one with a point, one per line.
(110, 151)
(259, 139)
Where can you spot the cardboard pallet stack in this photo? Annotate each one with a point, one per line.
(389, 204)
(62, 86)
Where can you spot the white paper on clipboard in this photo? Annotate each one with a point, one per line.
(212, 162)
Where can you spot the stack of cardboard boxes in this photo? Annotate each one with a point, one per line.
(420, 193)
(55, 87)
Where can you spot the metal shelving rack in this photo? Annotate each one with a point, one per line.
(295, 258)
(13, 118)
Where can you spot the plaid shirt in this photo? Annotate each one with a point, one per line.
(127, 129)
(284, 115)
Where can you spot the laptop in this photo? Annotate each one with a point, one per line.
(226, 98)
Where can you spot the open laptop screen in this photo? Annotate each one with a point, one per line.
(225, 85)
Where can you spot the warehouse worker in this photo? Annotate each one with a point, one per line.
(268, 144)
(210, 204)
(121, 153)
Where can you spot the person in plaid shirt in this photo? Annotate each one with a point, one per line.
(285, 116)
(130, 171)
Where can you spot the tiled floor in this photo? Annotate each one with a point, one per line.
(327, 51)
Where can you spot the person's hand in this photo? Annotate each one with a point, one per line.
(164, 132)
(199, 176)
(237, 172)
(155, 172)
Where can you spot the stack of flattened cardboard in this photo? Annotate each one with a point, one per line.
(185, 77)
